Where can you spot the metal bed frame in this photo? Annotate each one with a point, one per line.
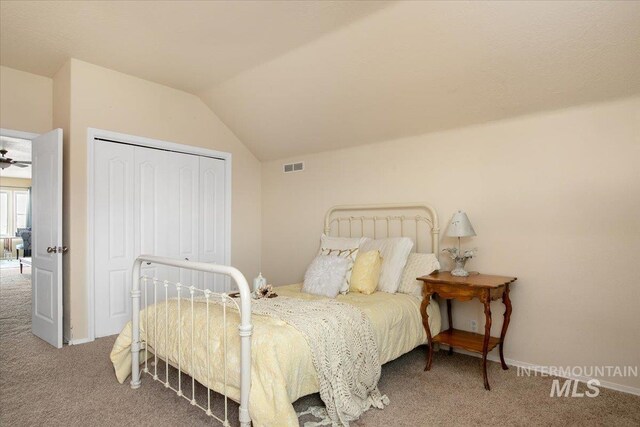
(245, 329)
(420, 214)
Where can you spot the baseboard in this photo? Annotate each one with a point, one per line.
(540, 369)
(79, 341)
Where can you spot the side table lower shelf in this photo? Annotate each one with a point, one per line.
(469, 341)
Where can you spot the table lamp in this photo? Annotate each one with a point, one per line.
(459, 227)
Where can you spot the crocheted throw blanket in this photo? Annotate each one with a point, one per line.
(343, 349)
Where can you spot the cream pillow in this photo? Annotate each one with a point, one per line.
(394, 252)
(366, 272)
(417, 265)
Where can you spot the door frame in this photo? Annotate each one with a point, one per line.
(19, 134)
(92, 134)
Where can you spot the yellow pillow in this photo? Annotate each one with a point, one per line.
(366, 272)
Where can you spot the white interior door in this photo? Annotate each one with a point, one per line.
(113, 236)
(47, 248)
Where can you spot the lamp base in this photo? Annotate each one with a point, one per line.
(459, 270)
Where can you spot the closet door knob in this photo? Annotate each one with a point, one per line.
(51, 250)
(186, 259)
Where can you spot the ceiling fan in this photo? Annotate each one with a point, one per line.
(5, 162)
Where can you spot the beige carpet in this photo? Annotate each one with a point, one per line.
(40, 385)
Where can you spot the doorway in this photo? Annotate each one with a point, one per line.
(15, 203)
(31, 226)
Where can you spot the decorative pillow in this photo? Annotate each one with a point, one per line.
(325, 275)
(348, 254)
(417, 265)
(346, 247)
(328, 242)
(394, 252)
(366, 272)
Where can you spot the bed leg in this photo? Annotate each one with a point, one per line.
(245, 364)
(135, 326)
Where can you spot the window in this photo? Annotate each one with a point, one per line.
(14, 209)
(4, 213)
(20, 208)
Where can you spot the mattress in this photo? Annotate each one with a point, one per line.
(281, 365)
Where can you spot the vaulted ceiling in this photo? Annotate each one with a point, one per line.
(291, 78)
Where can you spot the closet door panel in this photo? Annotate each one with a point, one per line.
(152, 220)
(182, 206)
(113, 245)
(212, 220)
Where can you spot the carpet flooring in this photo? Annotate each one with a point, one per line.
(75, 386)
(9, 263)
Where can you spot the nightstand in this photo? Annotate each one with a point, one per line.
(484, 287)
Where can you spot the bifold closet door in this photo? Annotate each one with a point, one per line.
(113, 236)
(153, 202)
(213, 220)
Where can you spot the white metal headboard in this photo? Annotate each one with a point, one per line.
(393, 215)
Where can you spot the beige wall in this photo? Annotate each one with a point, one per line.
(105, 99)
(553, 197)
(25, 101)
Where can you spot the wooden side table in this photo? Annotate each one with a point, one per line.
(484, 287)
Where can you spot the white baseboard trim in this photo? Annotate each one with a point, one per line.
(540, 369)
(79, 341)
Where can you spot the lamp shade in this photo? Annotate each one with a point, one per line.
(460, 226)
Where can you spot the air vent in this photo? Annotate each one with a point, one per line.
(293, 167)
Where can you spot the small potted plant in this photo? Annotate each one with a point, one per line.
(460, 258)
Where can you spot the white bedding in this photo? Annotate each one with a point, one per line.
(282, 368)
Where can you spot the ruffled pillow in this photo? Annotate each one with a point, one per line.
(325, 275)
(346, 247)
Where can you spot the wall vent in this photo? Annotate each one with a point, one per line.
(293, 167)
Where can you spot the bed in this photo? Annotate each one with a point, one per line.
(175, 331)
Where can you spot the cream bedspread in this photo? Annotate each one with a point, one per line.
(281, 365)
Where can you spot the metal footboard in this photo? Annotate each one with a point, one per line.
(245, 328)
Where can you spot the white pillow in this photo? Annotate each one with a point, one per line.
(394, 252)
(325, 275)
(346, 247)
(417, 265)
